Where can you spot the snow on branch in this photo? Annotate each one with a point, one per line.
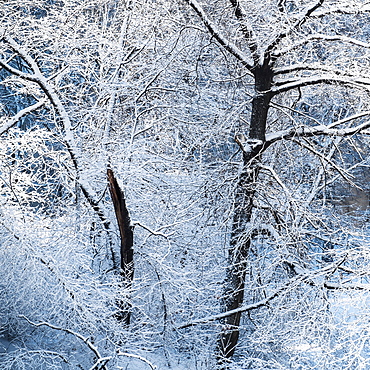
(100, 364)
(288, 85)
(322, 37)
(327, 130)
(241, 309)
(312, 67)
(153, 367)
(341, 171)
(40, 79)
(307, 14)
(77, 335)
(69, 139)
(248, 32)
(303, 275)
(13, 120)
(217, 34)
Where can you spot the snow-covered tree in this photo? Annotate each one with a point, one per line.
(234, 138)
(307, 65)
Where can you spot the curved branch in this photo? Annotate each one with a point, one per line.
(153, 367)
(69, 139)
(77, 335)
(13, 120)
(303, 276)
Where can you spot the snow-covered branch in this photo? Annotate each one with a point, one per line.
(93, 348)
(346, 176)
(304, 17)
(220, 316)
(43, 83)
(13, 120)
(69, 139)
(153, 367)
(288, 85)
(322, 37)
(326, 130)
(244, 308)
(302, 276)
(217, 34)
(100, 363)
(313, 67)
(247, 31)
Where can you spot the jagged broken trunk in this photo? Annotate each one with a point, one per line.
(243, 208)
(127, 241)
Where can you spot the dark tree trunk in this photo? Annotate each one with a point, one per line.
(127, 241)
(240, 240)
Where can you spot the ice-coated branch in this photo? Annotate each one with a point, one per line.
(13, 120)
(217, 34)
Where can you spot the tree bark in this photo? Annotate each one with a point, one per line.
(243, 208)
(127, 241)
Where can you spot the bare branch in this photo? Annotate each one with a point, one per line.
(153, 232)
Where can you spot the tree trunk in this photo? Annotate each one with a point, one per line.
(127, 241)
(243, 207)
